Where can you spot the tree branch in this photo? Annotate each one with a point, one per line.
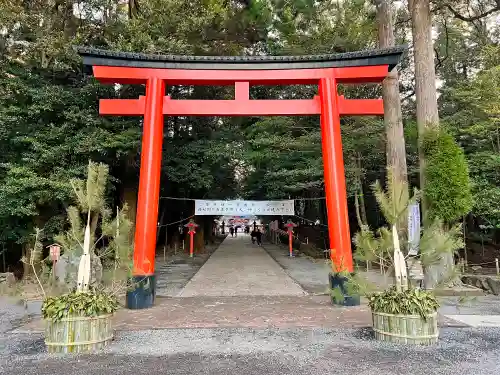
(408, 96)
(440, 61)
(458, 15)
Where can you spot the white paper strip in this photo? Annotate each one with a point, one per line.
(244, 208)
(413, 229)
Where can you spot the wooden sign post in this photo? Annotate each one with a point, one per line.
(55, 254)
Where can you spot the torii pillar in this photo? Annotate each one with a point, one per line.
(324, 71)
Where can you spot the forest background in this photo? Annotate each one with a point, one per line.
(50, 128)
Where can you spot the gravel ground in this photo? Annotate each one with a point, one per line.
(271, 352)
(13, 313)
(297, 351)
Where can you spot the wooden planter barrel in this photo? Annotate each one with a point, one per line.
(405, 329)
(76, 334)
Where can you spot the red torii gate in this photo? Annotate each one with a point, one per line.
(157, 71)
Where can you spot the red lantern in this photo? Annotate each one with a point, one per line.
(191, 231)
(289, 226)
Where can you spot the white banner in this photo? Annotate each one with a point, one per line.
(244, 208)
(413, 229)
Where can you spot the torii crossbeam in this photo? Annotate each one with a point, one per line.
(157, 71)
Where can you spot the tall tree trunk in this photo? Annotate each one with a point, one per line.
(133, 8)
(425, 73)
(359, 199)
(427, 109)
(393, 119)
(130, 198)
(39, 222)
(362, 204)
(130, 188)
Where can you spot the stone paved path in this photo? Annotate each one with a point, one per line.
(234, 312)
(240, 268)
(175, 270)
(311, 274)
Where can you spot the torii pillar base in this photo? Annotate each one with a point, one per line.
(341, 295)
(142, 292)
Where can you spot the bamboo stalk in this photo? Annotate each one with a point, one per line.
(405, 329)
(78, 334)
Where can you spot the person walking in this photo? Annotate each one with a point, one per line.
(231, 230)
(258, 237)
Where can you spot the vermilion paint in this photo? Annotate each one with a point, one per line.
(149, 179)
(241, 107)
(191, 231)
(191, 244)
(154, 105)
(134, 75)
(335, 189)
(290, 227)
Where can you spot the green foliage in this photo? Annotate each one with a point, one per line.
(394, 201)
(354, 285)
(49, 123)
(112, 250)
(50, 128)
(35, 255)
(90, 194)
(407, 302)
(48, 131)
(373, 247)
(469, 106)
(287, 155)
(476, 108)
(437, 240)
(448, 189)
(84, 304)
(117, 255)
(116, 251)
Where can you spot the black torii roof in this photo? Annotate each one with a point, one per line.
(373, 57)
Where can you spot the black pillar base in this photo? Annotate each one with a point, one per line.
(142, 292)
(339, 282)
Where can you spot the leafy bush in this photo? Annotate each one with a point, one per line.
(85, 304)
(447, 190)
(406, 302)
